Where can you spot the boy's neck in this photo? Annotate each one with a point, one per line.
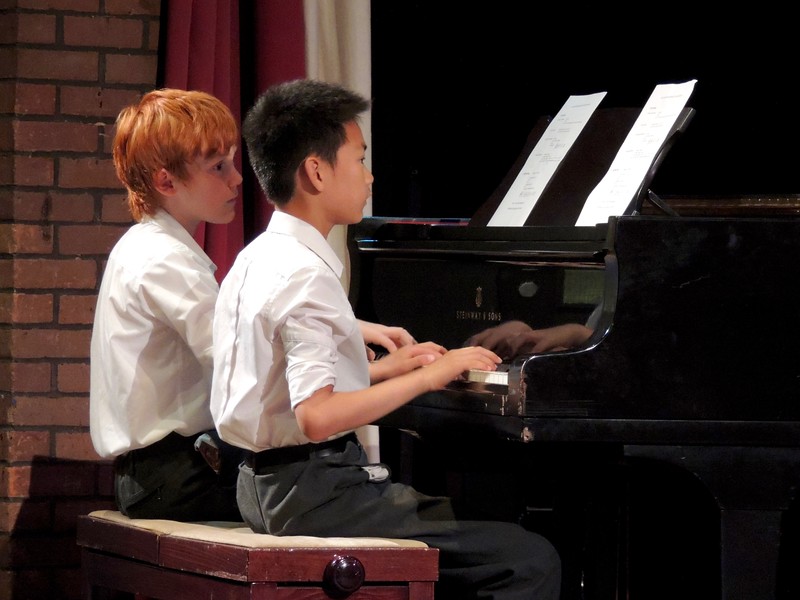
(301, 210)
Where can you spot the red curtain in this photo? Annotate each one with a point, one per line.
(233, 52)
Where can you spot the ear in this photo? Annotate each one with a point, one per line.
(163, 182)
(312, 169)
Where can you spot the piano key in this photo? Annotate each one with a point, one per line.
(481, 376)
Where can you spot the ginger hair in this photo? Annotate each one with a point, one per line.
(167, 129)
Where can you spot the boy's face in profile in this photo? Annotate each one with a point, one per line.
(208, 193)
(351, 181)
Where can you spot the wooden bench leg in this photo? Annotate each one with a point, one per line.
(420, 590)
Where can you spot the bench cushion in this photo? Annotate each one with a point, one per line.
(239, 534)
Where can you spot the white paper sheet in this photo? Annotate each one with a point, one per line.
(516, 206)
(616, 190)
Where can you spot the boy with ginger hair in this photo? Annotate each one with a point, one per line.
(151, 358)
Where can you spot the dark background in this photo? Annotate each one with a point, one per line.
(457, 90)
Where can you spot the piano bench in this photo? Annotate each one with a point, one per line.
(169, 560)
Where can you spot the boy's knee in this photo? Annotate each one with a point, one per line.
(536, 560)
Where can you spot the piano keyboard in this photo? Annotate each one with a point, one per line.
(499, 377)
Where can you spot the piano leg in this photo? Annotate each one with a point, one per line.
(750, 546)
(753, 486)
(651, 533)
(642, 522)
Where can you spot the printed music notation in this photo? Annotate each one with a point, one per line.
(544, 159)
(618, 186)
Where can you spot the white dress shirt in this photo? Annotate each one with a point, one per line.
(283, 329)
(151, 355)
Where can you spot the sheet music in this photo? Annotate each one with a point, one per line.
(616, 190)
(516, 206)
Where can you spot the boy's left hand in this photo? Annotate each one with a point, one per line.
(405, 359)
(387, 337)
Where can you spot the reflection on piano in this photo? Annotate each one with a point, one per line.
(693, 362)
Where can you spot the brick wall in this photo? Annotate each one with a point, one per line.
(66, 69)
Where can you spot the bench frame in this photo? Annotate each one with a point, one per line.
(152, 564)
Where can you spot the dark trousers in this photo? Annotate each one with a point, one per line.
(172, 480)
(332, 496)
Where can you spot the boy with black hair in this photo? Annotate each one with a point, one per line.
(292, 379)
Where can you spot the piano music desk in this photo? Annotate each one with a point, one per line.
(168, 560)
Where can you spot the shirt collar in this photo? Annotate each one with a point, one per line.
(286, 224)
(169, 224)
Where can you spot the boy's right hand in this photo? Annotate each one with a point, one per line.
(456, 362)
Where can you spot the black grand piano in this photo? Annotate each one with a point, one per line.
(663, 455)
